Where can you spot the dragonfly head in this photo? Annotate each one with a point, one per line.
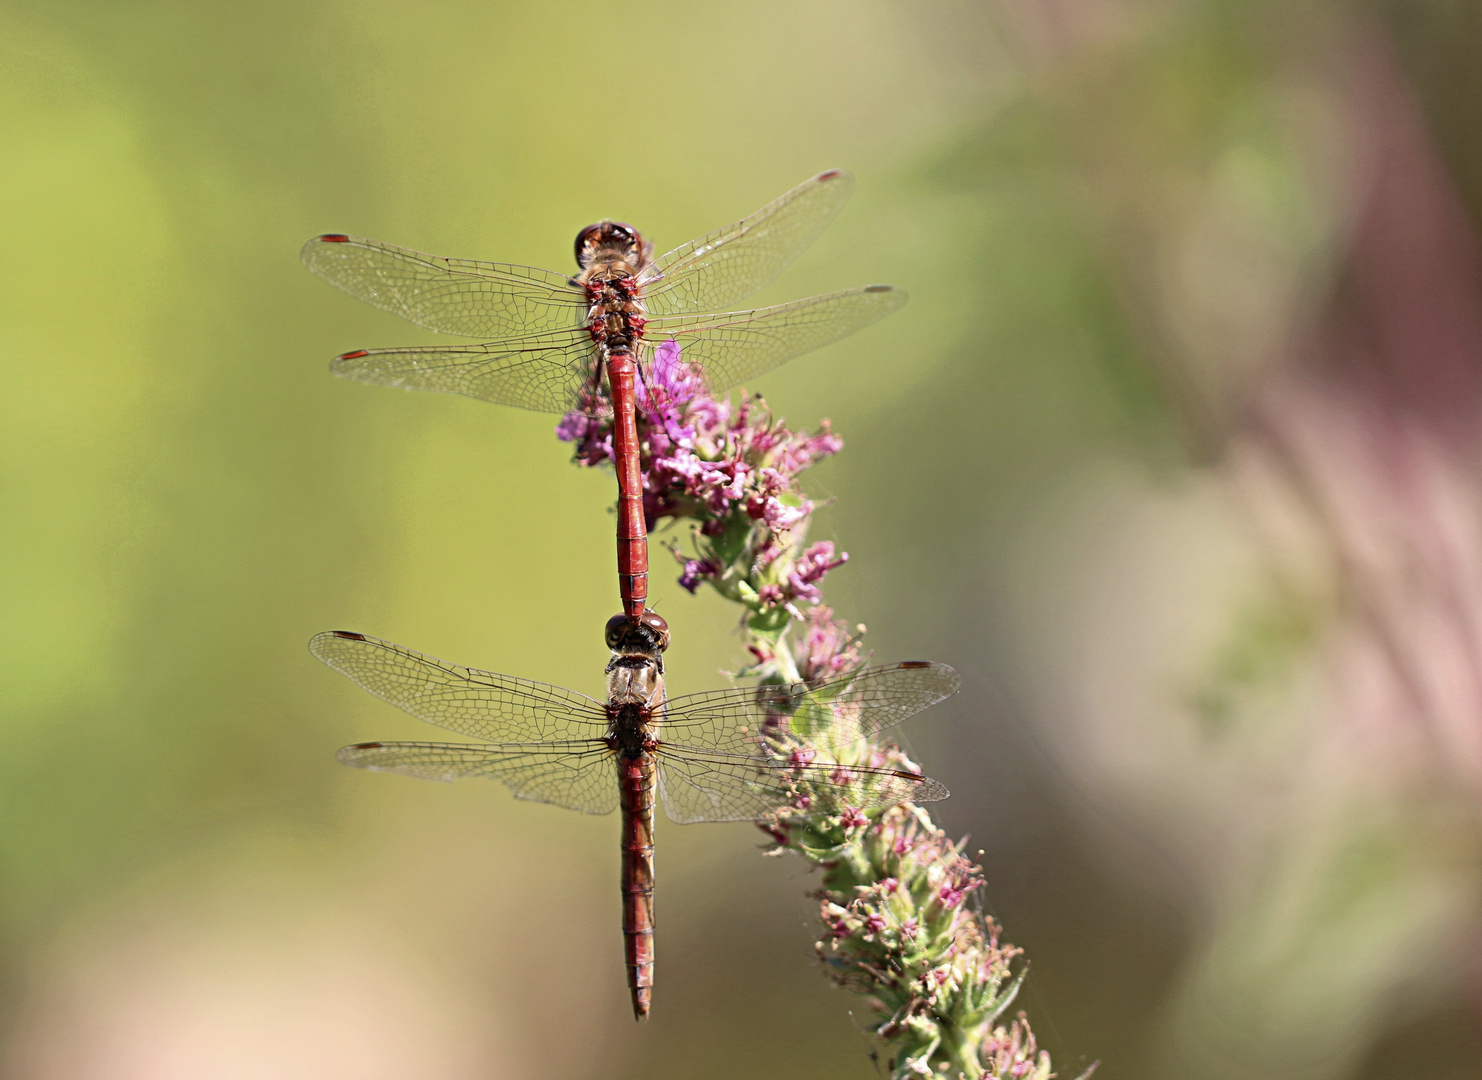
(650, 634)
(611, 242)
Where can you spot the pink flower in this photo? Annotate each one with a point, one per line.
(770, 595)
(573, 426)
(828, 649)
(817, 561)
(779, 515)
(666, 388)
(950, 896)
(698, 570)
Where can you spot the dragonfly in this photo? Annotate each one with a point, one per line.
(550, 339)
(735, 754)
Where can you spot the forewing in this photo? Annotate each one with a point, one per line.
(453, 296)
(576, 775)
(544, 372)
(837, 712)
(482, 704)
(730, 348)
(707, 786)
(722, 267)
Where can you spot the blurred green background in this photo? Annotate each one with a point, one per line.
(1157, 456)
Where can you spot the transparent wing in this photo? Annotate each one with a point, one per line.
(731, 348)
(697, 785)
(453, 296)
(838, 712)
(576, 775)
(728, 265)
(543, 372)
(498, 708)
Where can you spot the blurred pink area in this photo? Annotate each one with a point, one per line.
(1270, 673)
(1374, 424)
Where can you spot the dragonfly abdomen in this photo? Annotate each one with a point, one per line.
(636, 799)
(615, 321)
(632, 533)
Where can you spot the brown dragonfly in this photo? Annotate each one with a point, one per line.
(725, 755)
(552, 338)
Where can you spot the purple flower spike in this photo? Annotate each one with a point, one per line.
(897, 927)
(733, 472)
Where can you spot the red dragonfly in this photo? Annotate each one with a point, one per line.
(555, 337)
(726, 755)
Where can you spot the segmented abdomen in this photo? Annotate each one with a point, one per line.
(636, 799)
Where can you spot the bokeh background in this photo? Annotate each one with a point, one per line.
(1176, 454)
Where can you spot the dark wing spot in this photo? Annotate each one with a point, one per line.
(879, 288)
(830, 174)
(352, 636)
(377, 746)
(357, 354)
(334, 238)
(903, 663)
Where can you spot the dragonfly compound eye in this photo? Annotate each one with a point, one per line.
(654, 623)
(605, 234)
(650, 634)
(584, 240)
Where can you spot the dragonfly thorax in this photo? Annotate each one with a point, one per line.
(615, 316)
(635, 679)
(632, 729)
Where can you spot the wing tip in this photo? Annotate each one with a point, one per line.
(306, 253)
(350, 755)
(930, 790)
(951, 681)
(321, 645)
(925, 789)
(343, 365)
(897, 296)
(921, 665)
